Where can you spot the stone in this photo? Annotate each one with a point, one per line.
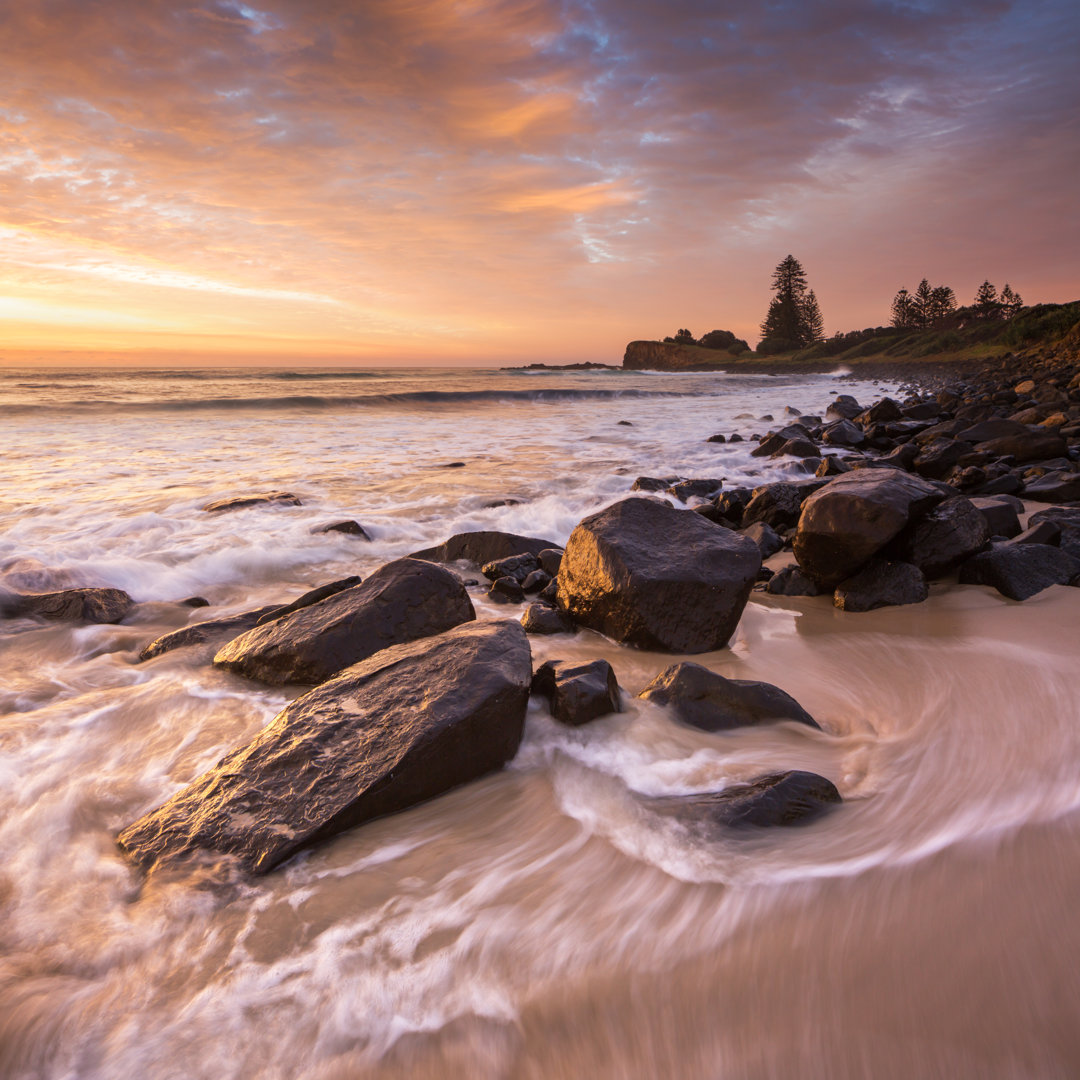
(93, 605)
(800, 448)
(1001, 517)
(986, 430)
(1053, 487)
(518, 567)
(936, 458)
(854, 516)
(717, 439)
(791, 581)
(1043, 532)
(790, 798)
(577, 692)
(765, 537)
(506, 590)
(241, 502)
(349, 528)
(777, 505)
(536, 581)
(831, 465)
(1033, 445)
(649, 575)
(690, 489)
(654, 483)
(482, 547)
(708, 701)
(404, 725)
(843, 407)
(195, 602)
(843, 433)
(550, 558)
(210, 631)
(1066, 518)
(879, 413)
(401, 601)
(950, 533)
(313, 596)
(539, 618)
(881, 583)
(1019, 571)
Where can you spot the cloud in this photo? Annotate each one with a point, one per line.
(447, 165)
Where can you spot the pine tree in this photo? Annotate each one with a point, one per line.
(986, 302)
(922, 307)
(942, 304)
(791, 321)
(903, 313)
(1011, 302)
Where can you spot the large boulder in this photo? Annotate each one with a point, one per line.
(483, 547)
(1032, 445)
(850, 519)
(1002, 518)
(312, 596)
(649, 575)
(1053, 487)
(791, 798)
(77, 605)
(778, 505)
(402, 601)
(703, 699)
(881, 583)
(1019, 571)
(210, 631)
(950, 533)
(539, 618)
(402, 726)
(577, 692)
(792, 581)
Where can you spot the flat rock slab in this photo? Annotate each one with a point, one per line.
(709, 701)
(577, 692)
(1020, 571)
(241, 502)
(854, 516)
(402, 601)
(483, 547)
(76, 605)
(790, 798)
(401, 727)
(649, 575)
(210, 631)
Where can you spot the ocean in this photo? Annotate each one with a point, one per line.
(541, 922)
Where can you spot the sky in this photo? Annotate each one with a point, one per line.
(500, 181)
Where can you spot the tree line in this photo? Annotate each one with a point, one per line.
(931, 306)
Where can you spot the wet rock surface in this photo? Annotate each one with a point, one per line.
(74, 605)
(881, 583)
(242, 502)
(483, 547)
(211, 631)
(577, 692)
(401, 727)
(1020, 571)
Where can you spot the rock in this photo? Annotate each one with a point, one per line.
(736, 438)
(1067, 520)
(1019, 571)
(938, 457)
(881, 412)
(843, 407)
(790, 798)
(536, 581)
(311, 597)
(649, 575)
(731, 504)
(800, 448)
(401, 601)
(700, 489)
(654, 483)
(1052, 487)
(550, 558)
(482, 547)
(1006, 484)
(1001, 516)
(195, 601)
(518, 567)
(578, 692)
(541, 619)
(240, 502)
(506, 590)
(1031, 446)
(76, 605)
(1044, 532)
(765, 537)
(402, 726)
(777, 505)
(211, 631)
(791, 581)
(831, 465)
(924, 410)
(986, 430)
(843, 433)
(854, 516)
(703, 699)
(950, 533)
(881, 583)
(349, 528)
(550, 592)
(716, 439)
(1025, 386)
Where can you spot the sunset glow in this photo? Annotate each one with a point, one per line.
(456, 181)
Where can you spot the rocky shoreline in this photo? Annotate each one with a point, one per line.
(973, 480)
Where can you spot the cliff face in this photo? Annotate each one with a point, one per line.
(665, 356)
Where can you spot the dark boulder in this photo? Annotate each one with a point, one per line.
(708, 701)
(506, 590)
(777, 505)
(536, 581)
(881, 412)
(695, 489)
(401, 727)
(791, 581)
(854, 516)
(766, 538)
(843, 407)
(950, 533)
(881, 583)
(210, 631)
(1052, 487)
(550, 558)
(654, 483)
(843, 433)
(577, 692)
(1066, 518)
(241, 502)
(539, 618)
(649, 575)
(518, 567)
(936, 458)
(800, 448)
(482, 547)
(76, 605)
(831, 465)
(402, 601)
(998, 428)
(791, 798)
(349, 528)
(717, 438)
(1019, 571)
(1043, 532)
(1001, 516)
(313, 596)
(1034, 445)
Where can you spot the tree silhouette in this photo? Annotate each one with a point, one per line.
(1011, 302)
(986, 302)
(903, 310)
(794, 317)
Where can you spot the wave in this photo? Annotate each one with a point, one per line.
(405, 399)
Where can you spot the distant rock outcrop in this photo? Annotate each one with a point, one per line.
(668, 356)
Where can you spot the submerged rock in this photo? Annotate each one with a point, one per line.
(483, 547)
(790, 798)
(349, 528)
(402, 601)
(577, 692)
(211, 631)
(644, 573)
(241, 502)
(703, 699)
(401, 727)
(76, 605)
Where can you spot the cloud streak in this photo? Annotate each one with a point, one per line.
(457, 179)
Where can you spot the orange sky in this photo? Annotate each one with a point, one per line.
(433, 181)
